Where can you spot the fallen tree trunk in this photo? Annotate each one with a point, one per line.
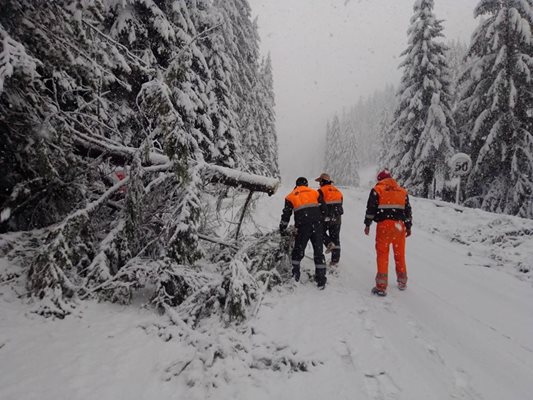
(236, 178)
(160, 162)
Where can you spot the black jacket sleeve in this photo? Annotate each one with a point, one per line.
(323, 205)
(371, 207)
(408, 214)
(286, 214)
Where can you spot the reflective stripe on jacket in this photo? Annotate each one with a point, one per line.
(390, 194)
(388, 200)
(306, 204)
(303, 197)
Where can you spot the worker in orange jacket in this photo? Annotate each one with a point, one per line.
(388, 205)
(332, 219)
(307, 205)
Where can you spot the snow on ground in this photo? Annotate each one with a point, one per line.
(462, 330)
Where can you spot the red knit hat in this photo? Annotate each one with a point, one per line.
(384, 175)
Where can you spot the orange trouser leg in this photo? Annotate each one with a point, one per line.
(398, 246)
(388, 233)
(383, 241)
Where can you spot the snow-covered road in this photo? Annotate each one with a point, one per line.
(460, 331)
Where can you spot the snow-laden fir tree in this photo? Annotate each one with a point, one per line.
(91, 88)
(457, 61)
(383, 143)
(267, 118)
(423, 121)
(497, 105)
(348, 171)
(333, 153)
(456, 58)
(222, 109)
(242, 52)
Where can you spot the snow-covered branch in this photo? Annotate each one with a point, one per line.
(215, 173)
(236, 178)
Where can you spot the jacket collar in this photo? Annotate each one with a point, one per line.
(387, 182)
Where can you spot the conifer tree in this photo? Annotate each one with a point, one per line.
(349, 173)
(496, 102)
(423, 120)
(242, 50)
(91, 61)
(267, 118)
(157, 88)
(222, 111)
(457, 60)
(333, 147)
(382, 126)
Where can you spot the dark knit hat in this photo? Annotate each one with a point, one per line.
(301, 181)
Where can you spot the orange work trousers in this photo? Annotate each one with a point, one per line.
(390, 232)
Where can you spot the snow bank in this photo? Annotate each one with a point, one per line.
(507, 241)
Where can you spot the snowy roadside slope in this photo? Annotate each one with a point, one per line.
(103, 353)
(460, 331)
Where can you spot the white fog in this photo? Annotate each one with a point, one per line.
(328, 53)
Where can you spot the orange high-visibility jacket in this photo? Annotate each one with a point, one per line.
(332, 195)
(390, 194)
(388, 200)
(305, 203)
(333, 199)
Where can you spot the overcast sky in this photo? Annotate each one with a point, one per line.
(328, 53)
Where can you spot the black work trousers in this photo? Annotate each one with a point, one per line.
(309, 231)
(332, 234)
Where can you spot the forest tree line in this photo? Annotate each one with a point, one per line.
(474, 99)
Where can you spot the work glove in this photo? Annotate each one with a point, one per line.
(367, 229)
(408, 232)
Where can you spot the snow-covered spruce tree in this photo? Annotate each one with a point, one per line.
(345, 161)
(92, 60)
(242, 45)
(118, 84)
(497, 103)
(79, 96)
(423, 121)
(267, 118)
(215, 46)
(43, 177)
(75, 113)
(334, 148)
(382, 125)
(349, 174)
(457, 61)
(456, 58)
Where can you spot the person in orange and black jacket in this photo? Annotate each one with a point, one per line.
(388, 206)
(332, 218)
(307, 205)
